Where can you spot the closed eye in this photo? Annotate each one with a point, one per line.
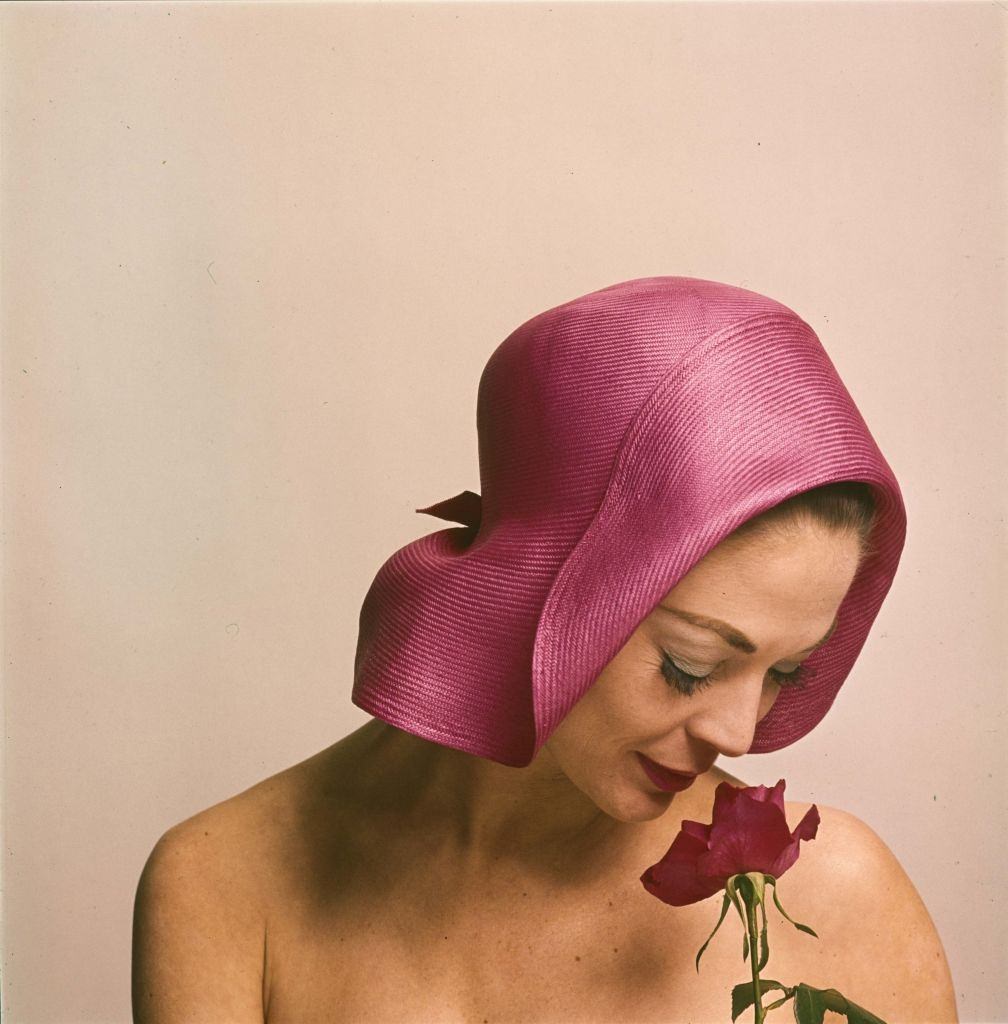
(687, 684)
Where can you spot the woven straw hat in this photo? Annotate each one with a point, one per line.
(622, 435)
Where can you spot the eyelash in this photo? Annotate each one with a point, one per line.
(688, 684)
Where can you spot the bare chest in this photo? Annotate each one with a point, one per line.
(618, 957)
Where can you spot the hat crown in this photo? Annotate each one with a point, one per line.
(558, 394)
(621, 435)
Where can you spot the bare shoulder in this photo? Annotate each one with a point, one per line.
(877, 942)
(200, 909)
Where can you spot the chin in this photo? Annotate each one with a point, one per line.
(634, 805)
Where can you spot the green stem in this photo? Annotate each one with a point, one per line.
(758, 1011)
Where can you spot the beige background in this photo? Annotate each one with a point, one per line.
(254, 260)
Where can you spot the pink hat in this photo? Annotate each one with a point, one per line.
(622, 435)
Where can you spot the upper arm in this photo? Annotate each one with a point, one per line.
(198, 934)
(875, 929)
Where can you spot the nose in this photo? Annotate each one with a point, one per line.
(727, 720)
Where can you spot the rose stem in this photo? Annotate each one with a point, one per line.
(758, 1011)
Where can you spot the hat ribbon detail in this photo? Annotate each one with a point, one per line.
(466, 508)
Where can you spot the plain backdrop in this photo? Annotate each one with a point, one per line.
(254, 259)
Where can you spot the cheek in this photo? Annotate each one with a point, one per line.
(616, 713)
(767, 701)
(629, 703)
(640, 711)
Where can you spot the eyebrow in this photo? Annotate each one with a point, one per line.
(733, 636)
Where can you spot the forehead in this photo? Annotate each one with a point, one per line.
(765, 580)
(806, 549)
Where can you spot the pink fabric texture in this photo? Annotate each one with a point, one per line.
(622, 435)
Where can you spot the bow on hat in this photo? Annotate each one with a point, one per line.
(466, 508)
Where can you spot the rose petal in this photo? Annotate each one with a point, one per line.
(777, 795)
(725, 797)
(680, 885)
(697, 829)
(674, 879)
(806, 829)
(783, 861)
(751, 838)
(748, 832)
(763, 794)
(809, 825)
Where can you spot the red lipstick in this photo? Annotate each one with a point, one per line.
(665, 778)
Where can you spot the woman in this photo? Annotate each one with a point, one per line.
(684, 535)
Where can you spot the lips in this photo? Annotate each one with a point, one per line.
(665, 778)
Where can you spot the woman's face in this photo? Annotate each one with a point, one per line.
(776, 594)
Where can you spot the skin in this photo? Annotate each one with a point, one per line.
(457, 875)
(782, 590)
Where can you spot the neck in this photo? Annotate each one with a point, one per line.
(486, 816)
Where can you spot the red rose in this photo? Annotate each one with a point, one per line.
(749, 832)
